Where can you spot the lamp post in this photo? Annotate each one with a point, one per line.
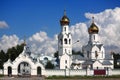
(75, 42)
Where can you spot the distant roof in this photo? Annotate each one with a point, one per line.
(118, 60)
(88, 62)
(79, 57)
(106, 62)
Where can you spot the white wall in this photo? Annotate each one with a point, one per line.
(1, 71)
(55, 72)
(116, 72)
(64, 72)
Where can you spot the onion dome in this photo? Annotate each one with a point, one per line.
(65, 20)
(93, 28)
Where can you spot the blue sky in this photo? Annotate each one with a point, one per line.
(26, 17)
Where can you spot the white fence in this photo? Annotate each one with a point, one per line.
(74, 72)
(66, 72)
(1, 71)
(78, 72)
(115, 72)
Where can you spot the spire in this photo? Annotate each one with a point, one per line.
(64, 12)
(93, 28)
(24, 41)
(64, 20)
(92, 19)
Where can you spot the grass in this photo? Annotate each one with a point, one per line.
(81, 77)
(1, 75)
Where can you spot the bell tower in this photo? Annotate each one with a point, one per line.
(65, 43)
(64, 37)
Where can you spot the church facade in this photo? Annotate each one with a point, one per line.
(93, 56)
(94, 52)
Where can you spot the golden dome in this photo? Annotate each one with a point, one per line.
(93, 28)
(65, 20)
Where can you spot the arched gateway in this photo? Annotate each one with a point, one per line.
(24, 68)
(23, 65)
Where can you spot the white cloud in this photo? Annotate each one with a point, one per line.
(108, 22)
(8, 42)
(41, 44)
(79, 32)
(3, 24)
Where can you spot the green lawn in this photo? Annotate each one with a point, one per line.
(83, 77)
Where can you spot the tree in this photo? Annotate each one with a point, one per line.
(56, 55)
(116, 57)
(2, 58)
(49, 65)
(11, 53)
(77, 53)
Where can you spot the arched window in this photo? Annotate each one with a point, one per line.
(65, 28)
(65, 41)
(65, 67)
(96, 54)
(65, 61)
(69, 41)
(46, 58)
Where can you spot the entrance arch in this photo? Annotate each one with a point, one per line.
(24, 69)
(39, 71)
(9, 71)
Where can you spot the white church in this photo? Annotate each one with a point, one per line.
(94, 56)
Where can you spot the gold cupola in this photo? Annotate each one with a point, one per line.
(65, 20)
(93, 29)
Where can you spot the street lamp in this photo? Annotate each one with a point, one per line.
(76, 42)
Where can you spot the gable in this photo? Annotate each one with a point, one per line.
(97, 64)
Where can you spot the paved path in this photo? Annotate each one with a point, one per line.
(40, 78)
(20, 78)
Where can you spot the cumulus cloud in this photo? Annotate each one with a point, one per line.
(108, 22)
(42, 44)
(79, 32)
(3, 24)
(8, 42)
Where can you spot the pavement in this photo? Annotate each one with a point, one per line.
(22, 78)
(41, 78)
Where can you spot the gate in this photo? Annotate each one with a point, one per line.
(100, 72)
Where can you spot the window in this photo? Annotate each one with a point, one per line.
(65, 51)
(88, 54)
(65, 28)
(69, 41)
(65, 61)
(65, 67)
(65, 41)
(94, 37)
(96, 54)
